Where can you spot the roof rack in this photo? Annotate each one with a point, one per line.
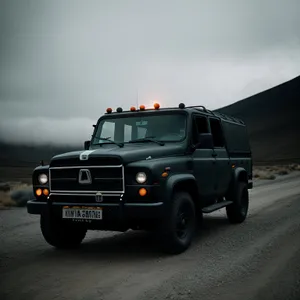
(230, 118)
(226, 117)
(182, 106)
(196, 106)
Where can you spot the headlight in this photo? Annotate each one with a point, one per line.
(141, 177)
(43, 178)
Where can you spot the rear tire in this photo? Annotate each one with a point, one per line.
(237, 212)
(60, 234)
(179, 226)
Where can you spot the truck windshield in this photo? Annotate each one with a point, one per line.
(160, 127)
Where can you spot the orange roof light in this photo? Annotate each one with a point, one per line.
(156, 106)
(108, 110)
(132, 108)
(142, 107)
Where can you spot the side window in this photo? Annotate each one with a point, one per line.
(200, 125)
(217, 133)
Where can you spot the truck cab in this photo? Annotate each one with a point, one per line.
(155, 169)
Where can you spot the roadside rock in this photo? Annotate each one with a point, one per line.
(22, 196)
(4, 187)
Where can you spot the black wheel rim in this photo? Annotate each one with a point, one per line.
(184, 221)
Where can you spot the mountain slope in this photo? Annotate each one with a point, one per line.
(273, 121)
(18, 161)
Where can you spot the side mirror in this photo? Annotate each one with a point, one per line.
(205, 141)
(87, 145)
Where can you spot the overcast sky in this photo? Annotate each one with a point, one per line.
(63, 62)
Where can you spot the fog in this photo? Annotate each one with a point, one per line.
(63, 62)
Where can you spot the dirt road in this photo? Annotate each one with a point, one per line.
(259, 259)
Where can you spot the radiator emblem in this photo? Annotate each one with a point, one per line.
(99, 197)
(85, 176)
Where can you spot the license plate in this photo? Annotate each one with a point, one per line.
(83, 213)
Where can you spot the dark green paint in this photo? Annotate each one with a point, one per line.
(209, 171)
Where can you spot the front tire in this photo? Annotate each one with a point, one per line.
(237, 212)
(59, 234)
(179, 225)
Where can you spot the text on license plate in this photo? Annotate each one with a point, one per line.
(87, 213)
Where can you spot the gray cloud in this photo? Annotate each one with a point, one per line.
(38, 130)
(63, 62)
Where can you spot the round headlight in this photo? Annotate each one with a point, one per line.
(43, 178)
(141, 177)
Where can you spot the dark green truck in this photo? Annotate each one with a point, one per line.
(154, 169)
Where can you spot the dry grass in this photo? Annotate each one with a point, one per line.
(5, 198)
(260, 174)
(294, 167)
(14, 186)
(271, 172)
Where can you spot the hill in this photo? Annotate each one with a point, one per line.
(18, 161)
(273, 122)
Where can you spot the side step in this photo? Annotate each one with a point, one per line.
(216, 206)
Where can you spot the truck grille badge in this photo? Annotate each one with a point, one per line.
(99, 197)
(85, 176)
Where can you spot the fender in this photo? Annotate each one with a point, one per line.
(236, 174)
(173, 180)
(240, 172)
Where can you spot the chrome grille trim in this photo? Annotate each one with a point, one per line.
(87, 192)
(84, 167)
(66, 193)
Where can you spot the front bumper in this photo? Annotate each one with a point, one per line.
(113, 211)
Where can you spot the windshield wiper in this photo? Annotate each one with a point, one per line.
(108, 139)
(148, 139)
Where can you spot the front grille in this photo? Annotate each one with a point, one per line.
(104, 179)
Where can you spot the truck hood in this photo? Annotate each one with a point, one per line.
(128, 153)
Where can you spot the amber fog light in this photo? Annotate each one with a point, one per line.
(46, 192)
(142, 192)
(38, 192)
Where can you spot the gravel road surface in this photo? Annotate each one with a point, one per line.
(259, 259)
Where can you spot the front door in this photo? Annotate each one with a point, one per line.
(204, 163)
(223, 166)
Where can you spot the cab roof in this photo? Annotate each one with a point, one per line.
(181, 106)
